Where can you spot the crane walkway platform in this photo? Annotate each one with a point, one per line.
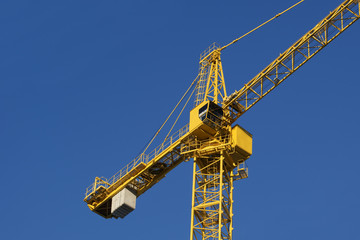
(140, 174)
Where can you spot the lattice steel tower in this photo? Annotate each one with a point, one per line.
(218, 148)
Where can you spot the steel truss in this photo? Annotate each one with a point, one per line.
(293, 58)
(212, 199)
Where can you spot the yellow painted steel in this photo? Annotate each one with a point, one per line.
(199, 128)
(212, 84)
(140, 174)
(211, 210)
(293, 58)
(219, 150)
(242, 141)
(215, 170)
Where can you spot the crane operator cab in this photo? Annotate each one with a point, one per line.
(205, 119)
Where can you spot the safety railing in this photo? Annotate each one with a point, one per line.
(242, 171)
(196, 145)
(142, 158)
(207, 51)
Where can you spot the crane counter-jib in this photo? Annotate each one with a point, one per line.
(139, 175)
(201, 138)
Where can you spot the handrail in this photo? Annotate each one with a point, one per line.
(142, 158)
(198, 145)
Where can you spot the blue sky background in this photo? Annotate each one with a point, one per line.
(84, 85)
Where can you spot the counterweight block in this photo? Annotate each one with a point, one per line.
(123, 203)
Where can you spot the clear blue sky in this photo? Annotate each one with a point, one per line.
(84, 85)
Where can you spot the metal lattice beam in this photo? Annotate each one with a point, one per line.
(211, 199)
(293, 58)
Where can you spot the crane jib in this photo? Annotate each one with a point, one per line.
(293, 58)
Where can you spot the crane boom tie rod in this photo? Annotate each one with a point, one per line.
(276, 16)
(158, 131)
(187, 101)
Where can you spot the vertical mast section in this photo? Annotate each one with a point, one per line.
(212, 199)
(211, 83)
(218, 162)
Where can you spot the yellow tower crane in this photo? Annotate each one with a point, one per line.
(218, 147)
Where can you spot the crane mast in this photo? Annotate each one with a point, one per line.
(219, 148)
